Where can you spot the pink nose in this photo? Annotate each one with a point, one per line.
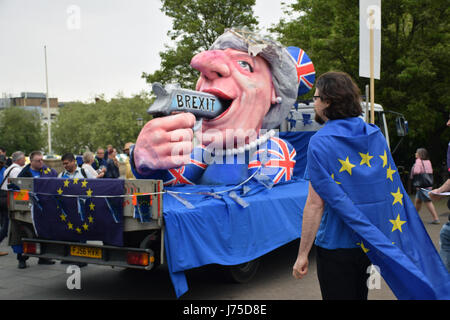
(212, 64)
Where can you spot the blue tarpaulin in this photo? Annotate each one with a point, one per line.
(221, 231)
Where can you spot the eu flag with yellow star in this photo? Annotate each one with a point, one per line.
(79, 209)
(352, 169)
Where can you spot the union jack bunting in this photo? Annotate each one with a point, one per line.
(276, 160)
(305, 69)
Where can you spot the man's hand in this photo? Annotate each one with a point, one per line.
(165, 143)
(434, 196)
(300, 268)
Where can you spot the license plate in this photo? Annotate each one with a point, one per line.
(86, 252)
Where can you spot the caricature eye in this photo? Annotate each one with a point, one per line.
(245, 65)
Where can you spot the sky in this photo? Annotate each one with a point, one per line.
(93, 46)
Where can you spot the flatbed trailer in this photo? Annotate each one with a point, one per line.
(143, 241)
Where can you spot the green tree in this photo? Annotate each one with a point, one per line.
(196, 24)
(72, 129)
(21, 129)
(80, 125)
(414, 63)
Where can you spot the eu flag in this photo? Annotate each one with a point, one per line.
(351, 168)
(79, 209)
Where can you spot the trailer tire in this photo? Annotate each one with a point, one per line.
(152, 241)
(244, 272)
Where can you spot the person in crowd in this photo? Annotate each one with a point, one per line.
(3, 207)
(341, 264)
(18, 161)
(112, 165)
(100, 160)
(35, 169)
(72, 170)
(88, 160)
(423, 165)
(2, 166)
(128, 173)
(8, 160)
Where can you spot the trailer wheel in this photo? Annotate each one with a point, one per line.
(152, 241)
(244, 272)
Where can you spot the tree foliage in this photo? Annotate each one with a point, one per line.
(92, 125)
(415, 69)
(21, 129)
(196, 24)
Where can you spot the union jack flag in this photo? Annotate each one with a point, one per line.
(187, 174)
(305, 69)
(177, 177)
(277, 159)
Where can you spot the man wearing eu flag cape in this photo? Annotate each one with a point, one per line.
(357, 207)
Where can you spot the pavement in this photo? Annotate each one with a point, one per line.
(99, 282)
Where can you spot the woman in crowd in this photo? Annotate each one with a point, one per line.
(88, 159)
(423, 165)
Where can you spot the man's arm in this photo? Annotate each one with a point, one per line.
(444, 188)
(312, 215)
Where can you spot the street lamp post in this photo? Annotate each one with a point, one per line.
(48, 105)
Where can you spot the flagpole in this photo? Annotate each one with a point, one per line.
(372, 81)
(48, 105)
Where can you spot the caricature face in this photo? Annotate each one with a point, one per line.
(243, 84)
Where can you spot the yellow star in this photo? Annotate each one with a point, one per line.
(89, 192)
(60, 191)
(384, 158)
(83, 183)
(85, 227)
(398, 196)
(332, 177)
(91, 219)
(75, 181)
(363, 247)
(365, 159)
(70, 226)
(63, 217)
(346, 166)
(66, 183)
(397, 224)
(91, 206)
(389, 173)
(78, 230)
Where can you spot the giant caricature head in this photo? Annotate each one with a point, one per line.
(256, 77)
(257, 80)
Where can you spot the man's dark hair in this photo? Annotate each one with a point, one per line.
(34, 153)
(340, 91)
(68, 157)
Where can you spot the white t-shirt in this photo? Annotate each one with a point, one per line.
(89, 170)
(14, 170)
(76, 174)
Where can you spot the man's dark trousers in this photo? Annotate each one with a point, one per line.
(342, 273)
